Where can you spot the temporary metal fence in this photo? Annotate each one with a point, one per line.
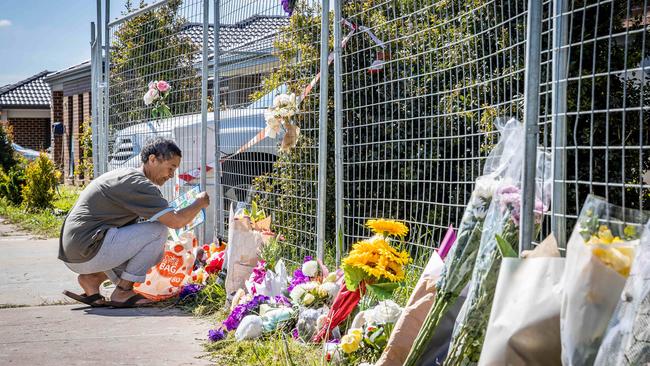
(167, 41)
(411, 103)
(262, 55)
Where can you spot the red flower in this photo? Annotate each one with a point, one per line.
(216, 264)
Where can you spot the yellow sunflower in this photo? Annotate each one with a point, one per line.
(377, 258)
(388, 227)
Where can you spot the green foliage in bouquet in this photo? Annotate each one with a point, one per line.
(255, 213)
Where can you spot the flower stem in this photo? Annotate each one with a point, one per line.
(438, 310)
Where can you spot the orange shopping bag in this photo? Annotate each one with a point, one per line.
(166, 278)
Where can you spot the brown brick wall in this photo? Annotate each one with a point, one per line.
(56, 115)
(76, 108)
(67, 130)
(32, 133)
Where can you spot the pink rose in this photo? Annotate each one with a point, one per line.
(163, 86)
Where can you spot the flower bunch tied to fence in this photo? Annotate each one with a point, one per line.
(157, 95)
(278, 118)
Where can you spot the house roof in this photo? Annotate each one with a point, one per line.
(251, 35)
(238, 34)
(31, 92)
(75, 71)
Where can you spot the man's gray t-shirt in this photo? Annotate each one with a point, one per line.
(115, 199)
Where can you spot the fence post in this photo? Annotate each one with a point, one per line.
(531, 118)
(105, 94)
(322, 132)
(93, 95)
(216, 102)
(338, 129)
(204, 108)
(558, 207)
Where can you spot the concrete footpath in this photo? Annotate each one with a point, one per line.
(40, 326)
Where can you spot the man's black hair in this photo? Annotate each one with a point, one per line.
(161, 147)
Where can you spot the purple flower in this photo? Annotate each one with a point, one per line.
(294, 333)
(334, 340)
(287, 6)
(508, 189)
(510, 199)
(308, 258)
(216, 335)
(190, 289)
(297, 279)
(282, 300)
(258, 300)
(241, 310)
(236, 315)
(259, 272)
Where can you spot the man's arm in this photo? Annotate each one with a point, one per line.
(180, 218)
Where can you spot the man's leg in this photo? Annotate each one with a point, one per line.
(125, 256)
(135, 269)
(90, 282)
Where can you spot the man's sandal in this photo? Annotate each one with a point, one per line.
(96, 300)
(131, 302)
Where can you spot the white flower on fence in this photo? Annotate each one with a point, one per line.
(278, 116)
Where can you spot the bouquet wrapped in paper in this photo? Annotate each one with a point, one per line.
(248, 230)
(598, 261)
(627, 340)
(524, 326)
(462, 255)
(500, 234)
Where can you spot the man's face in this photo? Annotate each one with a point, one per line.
(162, 170)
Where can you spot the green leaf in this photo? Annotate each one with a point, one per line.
(353, 276)
(504, 248)
(383, 291)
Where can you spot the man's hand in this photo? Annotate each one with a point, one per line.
(203, 199)
(180, 218)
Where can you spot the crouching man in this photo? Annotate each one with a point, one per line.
(102, 239)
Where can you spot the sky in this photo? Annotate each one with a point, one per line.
(37, 35)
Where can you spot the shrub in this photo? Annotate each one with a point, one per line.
(84, 166)
(12, 183)
(7, 153)
(42, 177)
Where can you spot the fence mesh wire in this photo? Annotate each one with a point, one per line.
(604, 63)
(263, 54)
(418, 127)
(422, 84)
(161, 43)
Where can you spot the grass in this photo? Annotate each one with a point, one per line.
(45, 223)
(275, 350)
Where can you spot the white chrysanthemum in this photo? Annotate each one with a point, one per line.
(310, 268)
(331, 288)
(485, 187)
(297, 293)
(385, 312)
